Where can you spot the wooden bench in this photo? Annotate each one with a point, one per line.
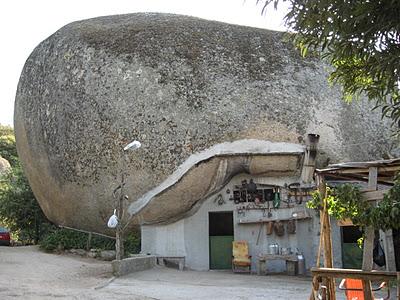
(179, 260)
(291, 263)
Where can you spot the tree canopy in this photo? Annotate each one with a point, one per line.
(8, 149)
(360, 39)
(347, 202)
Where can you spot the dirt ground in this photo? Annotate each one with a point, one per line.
(28, 273)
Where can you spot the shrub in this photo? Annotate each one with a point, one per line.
(132, 244)
(19, 210)
(62, 239)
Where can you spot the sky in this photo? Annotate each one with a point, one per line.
(25, 23)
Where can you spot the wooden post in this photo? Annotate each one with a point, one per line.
(119, 243)
(373, 178)
(387, 237)
(328, 255)
(89, 241)
(369, 238)
(310, 154)
(321, 238)
(327, 239)
(367, 260)
(315, 284)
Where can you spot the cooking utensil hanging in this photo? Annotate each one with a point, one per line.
(291, 226)
(279, 228)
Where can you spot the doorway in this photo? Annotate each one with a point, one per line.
(220, 239)
(351, 253)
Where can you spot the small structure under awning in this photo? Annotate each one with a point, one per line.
(376, 174)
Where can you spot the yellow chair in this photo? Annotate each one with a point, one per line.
(241, 260)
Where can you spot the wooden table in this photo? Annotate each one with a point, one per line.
(291, 262)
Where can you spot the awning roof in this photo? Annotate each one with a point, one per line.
(387, 169)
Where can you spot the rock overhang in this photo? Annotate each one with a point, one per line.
(205, 173)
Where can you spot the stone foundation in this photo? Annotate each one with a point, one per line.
(133, 264)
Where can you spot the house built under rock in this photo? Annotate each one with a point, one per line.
(213, 105)
(264, 206)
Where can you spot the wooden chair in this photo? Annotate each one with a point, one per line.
(241, 260)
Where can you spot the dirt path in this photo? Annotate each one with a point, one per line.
(27, 273)
(170, 284)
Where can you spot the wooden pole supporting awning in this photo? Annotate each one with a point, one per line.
(374, 173)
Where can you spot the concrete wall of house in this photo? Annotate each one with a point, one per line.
(167, 240)
(190, 237)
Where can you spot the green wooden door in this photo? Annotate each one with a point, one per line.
(351, 256)
(220, 239)
(351, 253)
(221, 252)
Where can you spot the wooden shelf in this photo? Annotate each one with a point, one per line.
(291, 257)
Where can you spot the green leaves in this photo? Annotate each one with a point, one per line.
(61, 239)
(346, 202)
(8, 149)
(343, 202)
(386, 215)
(19, 210)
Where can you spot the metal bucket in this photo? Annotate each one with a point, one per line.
(286, 251)
(273, 249)
(301, 264)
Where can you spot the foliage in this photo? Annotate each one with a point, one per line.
(8, 149)
(60, 239)
(346, 201)
(132, 244)
(71, 239)
(19, 210)
(386, 215)
(360, 39)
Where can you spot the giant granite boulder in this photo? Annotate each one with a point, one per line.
(207, 100)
